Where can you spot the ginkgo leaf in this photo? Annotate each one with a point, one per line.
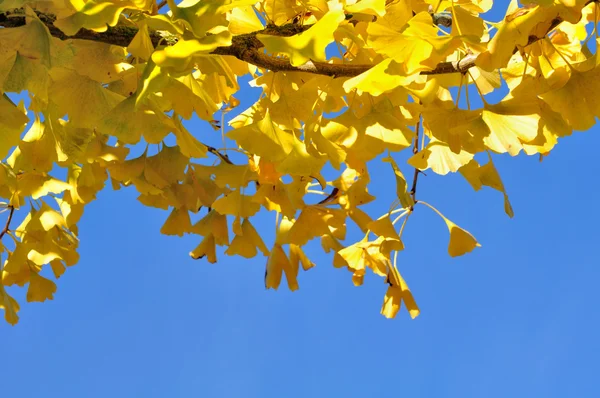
(178, 223)
(180, 57)
(141, 45)
(207, 249)
(40, 288)
(297, 257)
(404, 197)
(264, 138)
(486, 175)
(509, 128)
(236, 204)
(12, 121)
(96, 14)
(214, 224)
(308, 45)
(245, 244)
(461, 241)
(85, 101)
(577, 100)
(9, 305)
(397, 293)
(438, 156)
(371, 7)
(278, 263)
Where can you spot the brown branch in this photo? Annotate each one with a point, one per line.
(415, 150)
(8, 220)
(248, 48)
(214, 151)
(161, 5)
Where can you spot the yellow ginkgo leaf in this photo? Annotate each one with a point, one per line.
(236, 204)
(297, 257)
(40, 289)
(264, 138)
(510, 126)
(213, 224)
(577, 101)
(396, 293)
(461, 242)
(181, 56)
(188, 144)
(278, 263)
(438, 156)
(9, 305)
(402, 193)
(178, 223)
(308, 45)
(127, 124)
(370, 7)
(85, 101)
(207, 249)
(243, 20)
(245, 244)
(97, 14)
(12, 121)
(141, 45)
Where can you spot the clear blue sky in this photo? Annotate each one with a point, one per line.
(137, 317)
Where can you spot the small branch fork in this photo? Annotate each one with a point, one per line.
(8, 221)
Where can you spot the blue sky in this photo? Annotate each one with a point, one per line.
(518, 316)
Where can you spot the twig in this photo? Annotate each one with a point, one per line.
(8, 220)
(161, 4)
(413, 189)
(215, 152)
(330, 197)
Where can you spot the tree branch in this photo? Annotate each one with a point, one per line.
(413, 189)
(248, 48)
(8, 220)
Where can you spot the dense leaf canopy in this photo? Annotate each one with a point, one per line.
(102, 78)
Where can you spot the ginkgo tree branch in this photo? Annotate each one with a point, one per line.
(8, 221)
(248, 48)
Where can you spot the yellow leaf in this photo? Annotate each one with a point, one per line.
(264, 138)
(278, 263)
(12, 122)
(370, 7)
(40, 289)
(244, 20)
(206, 248)
(245, 244)
(438, 156)
(178, 223)
(461, 242)
(404, 197)
(96, 15)
(188, 144)
(85, 101)
(10, 307)
(397, 292)
(297, 257)
(141, 46)
(213, 224)
(308, 45)
(236, 204)
(577, 101)
(127, 124)
(181, 56)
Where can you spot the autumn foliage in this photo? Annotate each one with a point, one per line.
(84, 83)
